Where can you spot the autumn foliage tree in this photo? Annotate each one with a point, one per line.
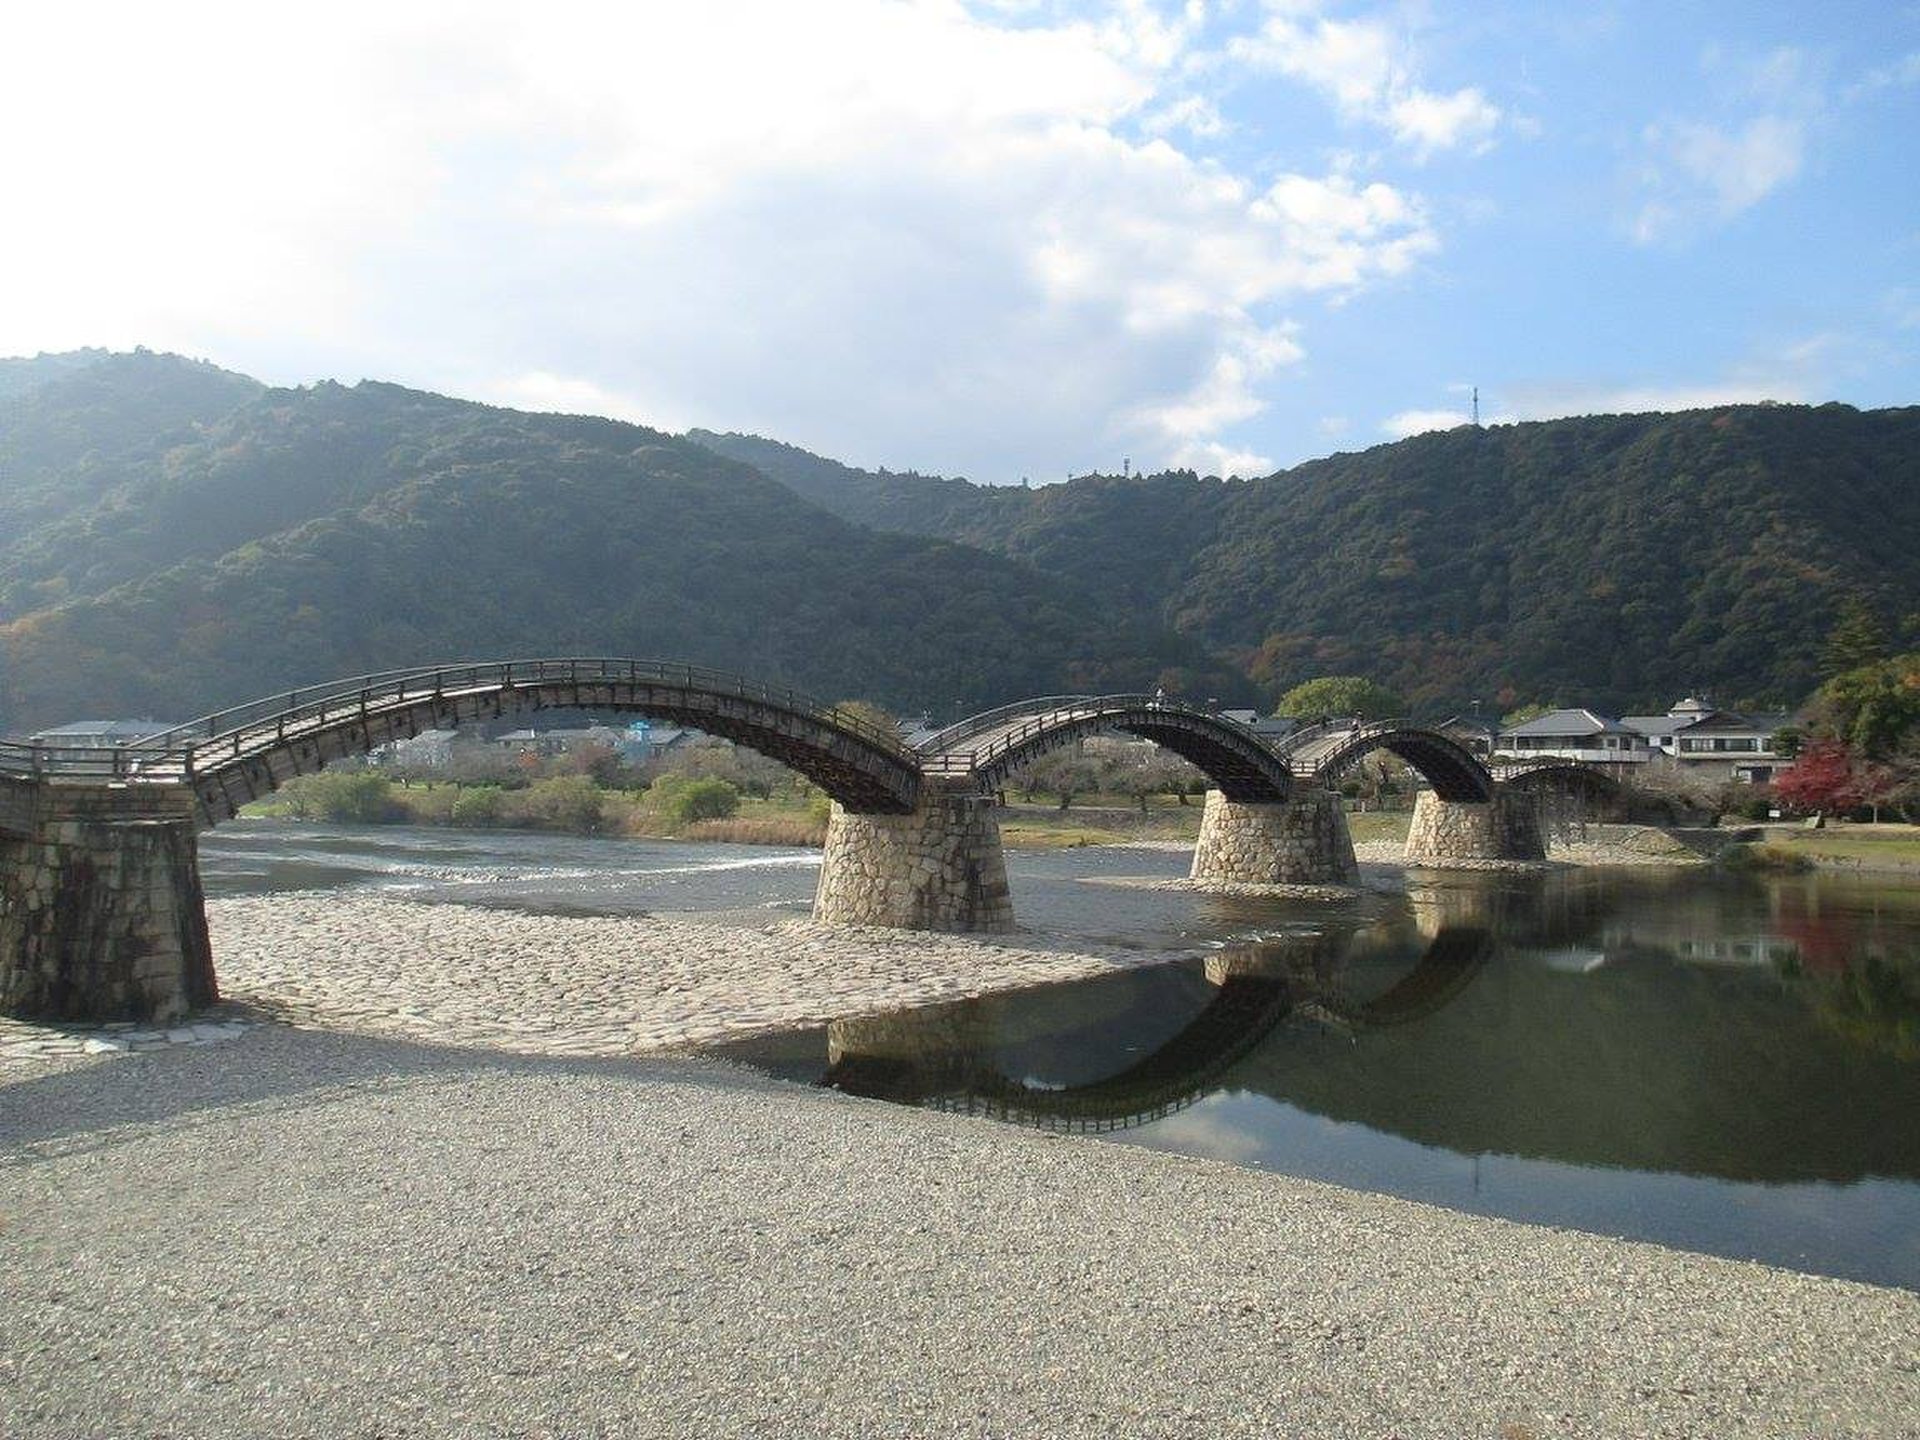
(1821, 779)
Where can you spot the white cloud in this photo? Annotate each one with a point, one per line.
(899, 232)
(1194, 114)
(1694, 173)
(545, 393)
(1790, 373)
(1743, 168)
(1430, 122)
(1697, 170)
(1367, 70)
(1553, 403)
(1419, 422)
(1902, 72)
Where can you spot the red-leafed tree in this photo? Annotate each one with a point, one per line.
(1821, 779)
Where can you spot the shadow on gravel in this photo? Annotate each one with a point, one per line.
(115, 1101)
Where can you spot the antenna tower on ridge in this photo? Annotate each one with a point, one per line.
(1476, 405)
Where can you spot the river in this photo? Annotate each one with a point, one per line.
(1719, 1063)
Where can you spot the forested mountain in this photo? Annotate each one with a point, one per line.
(173, 537)
(180, 538)
(75, 430)
(1611, 560)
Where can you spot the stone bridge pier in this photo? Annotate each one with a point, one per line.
(939, 868)
(1300, 841)
(1449, 832)
(101, 912)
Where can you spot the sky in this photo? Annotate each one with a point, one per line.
(1006, 239)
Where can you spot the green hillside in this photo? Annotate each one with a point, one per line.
(173, 537)
(78, 432)
(1609, 560)
(193, 558)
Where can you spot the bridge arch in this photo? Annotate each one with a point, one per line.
(990, 747)
(1454, 772)
(238, 755)
(1562, 777)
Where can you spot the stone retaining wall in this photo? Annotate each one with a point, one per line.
(1448, 832)
(939, 868)
(1303, 841)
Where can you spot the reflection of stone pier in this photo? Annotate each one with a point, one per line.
(1464, 902)
(938, 868)
(1310, 961)
(1300, 841)
(1454, 832)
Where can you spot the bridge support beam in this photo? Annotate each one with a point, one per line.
(1460, 832)
(101, 912)
(939, 868)
(1302, 841)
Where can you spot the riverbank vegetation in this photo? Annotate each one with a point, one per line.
(1109, 794)
(1861, 754)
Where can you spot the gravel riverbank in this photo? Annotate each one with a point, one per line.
(302, 1233)
(542, 1224)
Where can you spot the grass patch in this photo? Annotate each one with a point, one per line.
(1769, 858)
(1032, 835)
(1380, 825)
(766, 830)
(1895, 847)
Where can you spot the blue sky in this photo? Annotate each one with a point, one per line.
(996, 239)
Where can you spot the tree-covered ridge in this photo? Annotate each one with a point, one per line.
(1617, 561)
(316, 533)
(21, 373)
(79, 433)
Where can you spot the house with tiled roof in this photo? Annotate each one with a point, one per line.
(1573, 734)
(1714, 744)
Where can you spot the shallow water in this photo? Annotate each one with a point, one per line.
(1715, 1063)
(573, 875)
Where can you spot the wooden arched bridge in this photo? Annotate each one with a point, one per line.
(100, 910)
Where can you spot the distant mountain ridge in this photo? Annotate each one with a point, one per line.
(1616, 560)
(174, 537)
(183, 538)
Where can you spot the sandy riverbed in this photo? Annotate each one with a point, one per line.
(596, 985)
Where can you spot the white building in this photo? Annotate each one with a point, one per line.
(1716, 745)
(1576, 734)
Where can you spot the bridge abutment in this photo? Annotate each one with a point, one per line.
(1453, 832)
(939, 868)
(101, 912)
(1301, 841)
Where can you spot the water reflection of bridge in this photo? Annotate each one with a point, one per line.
(942, 1056)
(1483, 1042)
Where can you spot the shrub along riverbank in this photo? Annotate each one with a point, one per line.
(679, 806)
(689, 807)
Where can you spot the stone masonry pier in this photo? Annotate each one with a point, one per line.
(939, 868)
(1301, 841)
(101, 913)
(1464, 832)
